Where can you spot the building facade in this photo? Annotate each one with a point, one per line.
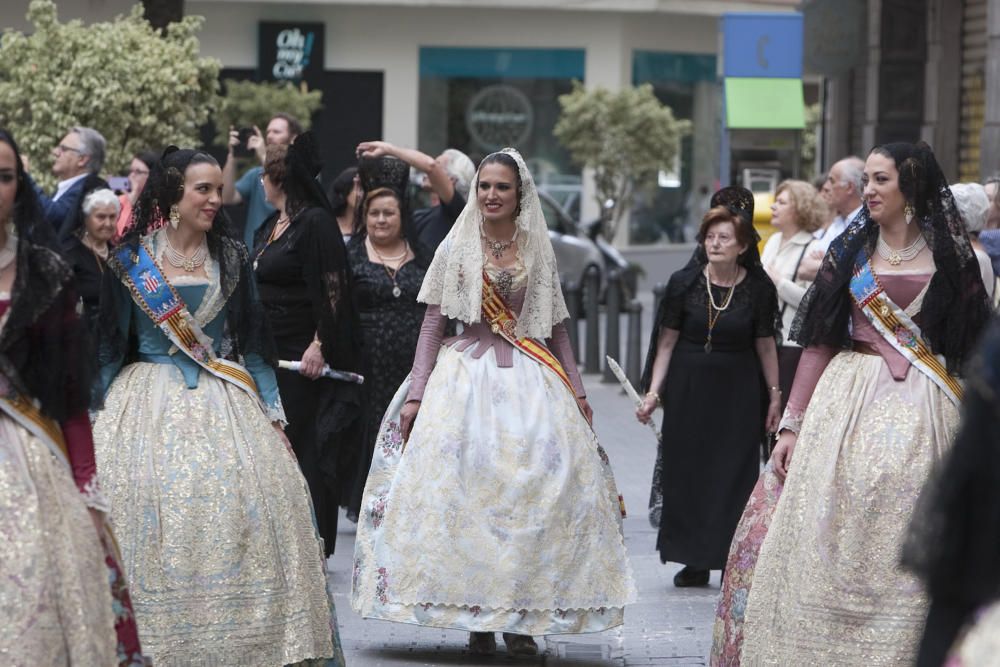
(924, 69)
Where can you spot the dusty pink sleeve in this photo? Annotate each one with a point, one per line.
(813, 362)
(428, 346)
(560, 346)
(80, 447)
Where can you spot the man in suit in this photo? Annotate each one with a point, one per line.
(78, 155)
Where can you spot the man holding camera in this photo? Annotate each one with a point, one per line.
(281, 129)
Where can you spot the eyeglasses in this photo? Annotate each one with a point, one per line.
(138, 172)
(62, 148)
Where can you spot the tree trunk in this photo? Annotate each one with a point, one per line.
(160, 13)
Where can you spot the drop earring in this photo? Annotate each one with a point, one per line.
(175, 216)
(908, 214)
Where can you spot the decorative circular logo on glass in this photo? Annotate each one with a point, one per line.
(499, 116)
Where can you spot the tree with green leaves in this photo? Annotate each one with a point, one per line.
(138, 87)
(624, 137)
(248, 104)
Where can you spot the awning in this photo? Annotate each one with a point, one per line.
(764, 104)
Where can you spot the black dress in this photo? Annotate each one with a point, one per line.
(88, 273)
(390, 327)
(714, 411)
(304, 287)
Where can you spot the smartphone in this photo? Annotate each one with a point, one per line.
(241, 149)
(119, 184)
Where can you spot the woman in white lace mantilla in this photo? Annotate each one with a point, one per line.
(490, 505)
(212, 513)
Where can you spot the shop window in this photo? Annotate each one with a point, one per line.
(481, 100)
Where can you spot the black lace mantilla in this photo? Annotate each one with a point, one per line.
(955, 308)
(44, 342)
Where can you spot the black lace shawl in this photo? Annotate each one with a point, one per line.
(43, 344)
(246, 330)
(954, 540)
(955, 308)
(325, 268)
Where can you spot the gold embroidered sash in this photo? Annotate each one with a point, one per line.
(899, 329)
(503, 322)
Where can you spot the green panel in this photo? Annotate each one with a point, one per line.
(764, 104)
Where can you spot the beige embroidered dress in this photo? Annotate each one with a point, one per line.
(211, 511)
(501, 514)
(828, 588)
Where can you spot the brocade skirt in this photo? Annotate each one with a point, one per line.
(828, 588)
(215, 524)
(55, 598)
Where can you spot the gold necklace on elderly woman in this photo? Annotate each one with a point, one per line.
(714, 311)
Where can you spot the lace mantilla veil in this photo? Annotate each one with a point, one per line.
(454, 279)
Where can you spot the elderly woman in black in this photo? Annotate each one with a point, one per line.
(301, 269)
(713, 366)
(86, 244)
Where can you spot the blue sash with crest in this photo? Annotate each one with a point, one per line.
(899, 329)
(154, 294)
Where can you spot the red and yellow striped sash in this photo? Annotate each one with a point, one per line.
(504, 323)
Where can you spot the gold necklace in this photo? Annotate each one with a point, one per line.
(270, 239)
(396, 290)
(714, 311)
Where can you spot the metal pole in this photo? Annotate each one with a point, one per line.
(612, 339)
(592, 361)
(633, 363)
(571, 293)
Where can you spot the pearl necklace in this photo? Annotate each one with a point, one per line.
(897, 257)
(715, 311)
(182, 261)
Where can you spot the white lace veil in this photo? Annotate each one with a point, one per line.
(454, 279)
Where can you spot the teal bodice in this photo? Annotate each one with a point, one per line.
(155, 347)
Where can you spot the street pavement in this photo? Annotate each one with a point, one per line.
(667, 626)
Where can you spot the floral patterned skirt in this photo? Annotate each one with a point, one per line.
(500, 514)
(727, 635)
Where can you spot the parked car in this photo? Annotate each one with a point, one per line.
(578, 250)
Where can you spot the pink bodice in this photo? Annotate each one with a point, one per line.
(902, 289)
(480, 335)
